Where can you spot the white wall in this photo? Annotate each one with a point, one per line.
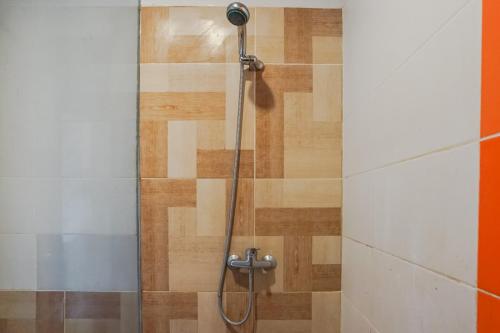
(411, 165)
(67, 145)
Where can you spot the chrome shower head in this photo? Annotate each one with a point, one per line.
(237, 13)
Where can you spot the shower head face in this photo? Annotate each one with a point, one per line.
(237, 13)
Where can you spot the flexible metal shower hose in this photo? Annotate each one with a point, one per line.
(231, 213)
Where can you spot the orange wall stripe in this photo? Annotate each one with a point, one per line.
(488, 320)
(490, 91)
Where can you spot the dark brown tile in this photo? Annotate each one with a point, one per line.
(169, 192)
(92, 305)
(154, 247)
(244, 212)
(219, 163)
(236, 305)
(298, 35)
(326, 277)
(49, 312)
(284, 306)
(183, 106)
(297, 221)
(17, 326)
(154, 149)
(297, 263)
(170, 305)
(326, 22)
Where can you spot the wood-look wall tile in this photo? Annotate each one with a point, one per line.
(297, 263)
(326, 312)
(211, 135)
(326, 22)
(17, 305)
(298, 32)
(154, 246)
(270, 281)
(182, 106)
(284, 306)
(129, 309)
(326, 277)
(169, 305)
(326, 250)
(49, 312)
(169, 192)
(297, 221)
(183, 326)
(181, 221)
(270, 33)
(209, 320)
(298, 193)
(154, 29)
(219, 163)
(188, 78)
(327, 50)
(283, 326)
(211, 207)
(154, 149)
(182, 149)
(327, 97)
(92, 326)
(17, 326)
(92, 305)
(244, 223)
(236, 305)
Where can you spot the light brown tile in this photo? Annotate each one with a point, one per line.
(188, 78)
(92, 326)
(297, 221)
(209, 320)
(169, 305)
(153, 136)
(154, 246)
(270, 281)
(326, 250)
(182, 106)
(50, 312)
(270, 32)
(169, 192)
(211, 134)
(326, 277)
(183, 326)
(244, 222)
(154, 29)
(17, 305)
(236, 305)
(182, 149)
(284, 306)
(211, 207)
(298, 193)
(219, 163)
(297, 263)
(92, 305)
(284, 326)
(326, 22)
(326, 312)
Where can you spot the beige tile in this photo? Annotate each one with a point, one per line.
(327, 49)
(209, 320)
(326, 312)
(211, 134)
(270, 34)
(313, 149)
(183, 78)
(183, 326)
(199, 21)
(182, 149)
(270, 281)
(284, 326)
(232, 95)
(181, 221)
(298, 193)
(327, 93)
(17, 305)
(326, 250)
(211, 207)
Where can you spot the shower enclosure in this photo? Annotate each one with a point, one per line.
(68, 217)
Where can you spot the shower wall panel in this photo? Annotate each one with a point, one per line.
(289, 200)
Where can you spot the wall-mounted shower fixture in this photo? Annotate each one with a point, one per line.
(239, 15)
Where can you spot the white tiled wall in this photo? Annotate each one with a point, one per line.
(67, 144)
(411, 165)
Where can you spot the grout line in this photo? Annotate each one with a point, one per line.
(415, 157)
(490, 137)
(441, 274)
(489, 293)
(351, 304)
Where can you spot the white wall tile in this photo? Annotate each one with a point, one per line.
(17, 262)
(423, 210)
(431, 102)
(352, 320)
